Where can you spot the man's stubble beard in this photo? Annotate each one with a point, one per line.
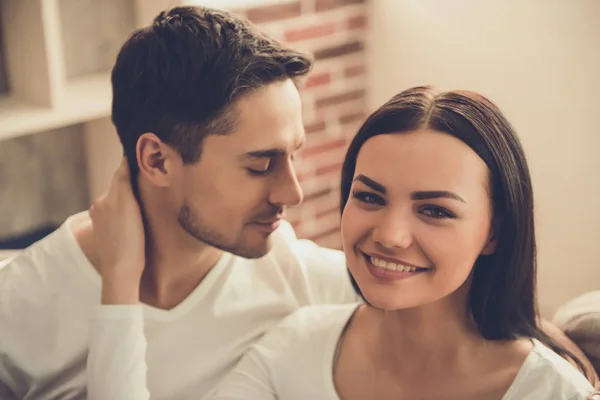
(201, 231)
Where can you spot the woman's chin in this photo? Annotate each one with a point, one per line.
(391, 303)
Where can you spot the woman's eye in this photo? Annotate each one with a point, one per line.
(368, 198)
(437, 212)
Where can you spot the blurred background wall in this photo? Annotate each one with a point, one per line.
(539, 60)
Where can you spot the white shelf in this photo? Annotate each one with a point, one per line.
(43, 95)
(89, 97)
(83, 99)
(91, 32)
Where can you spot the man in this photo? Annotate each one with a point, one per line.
(209, 117)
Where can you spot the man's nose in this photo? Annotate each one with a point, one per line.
(286, 189)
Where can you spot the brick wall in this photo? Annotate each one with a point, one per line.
(333, 97)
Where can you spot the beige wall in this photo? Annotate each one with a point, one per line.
(540, 61)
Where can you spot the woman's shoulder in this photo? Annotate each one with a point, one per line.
(547, 375)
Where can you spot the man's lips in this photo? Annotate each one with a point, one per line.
(267, 221)
(267, 225)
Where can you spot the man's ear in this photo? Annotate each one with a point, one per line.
(156, 160)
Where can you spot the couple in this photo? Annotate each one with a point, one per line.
(437, 228)
(443, 255)
(438, 234)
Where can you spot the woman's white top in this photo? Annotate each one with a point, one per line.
(294, 361)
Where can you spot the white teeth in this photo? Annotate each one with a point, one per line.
(391, 266)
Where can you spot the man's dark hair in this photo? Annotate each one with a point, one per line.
(180, 77)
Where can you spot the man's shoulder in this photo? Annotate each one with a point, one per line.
(21, 262)
(286, 244)
(7, 256)
(42, 317)
(309, 327)
(41, 272)
(319, 319)
(320, 271)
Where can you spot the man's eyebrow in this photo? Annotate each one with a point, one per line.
(270, 153)
(378, 187)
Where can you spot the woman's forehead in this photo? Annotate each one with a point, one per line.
(421, 160)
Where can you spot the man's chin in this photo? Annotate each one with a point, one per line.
(254, 248)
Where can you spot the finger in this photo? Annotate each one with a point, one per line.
(119, 179)
(123, 170)
(92, 211)
(97, 204)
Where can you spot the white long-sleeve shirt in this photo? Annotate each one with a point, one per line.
(49, 291)
(294, 361)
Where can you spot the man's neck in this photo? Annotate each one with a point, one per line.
(175, 265)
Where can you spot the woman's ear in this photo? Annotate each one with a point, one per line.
(491, 243)
(490, 247)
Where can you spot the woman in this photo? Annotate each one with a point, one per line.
(438, 233)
